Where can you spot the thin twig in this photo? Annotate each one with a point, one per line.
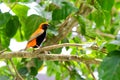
(11, 72)
(17, 73)
(105, 34)
(91, 72)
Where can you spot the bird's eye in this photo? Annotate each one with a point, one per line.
(45, 26)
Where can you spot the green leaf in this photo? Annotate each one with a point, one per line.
(110, 67)
(33, 71)
(77, 39)
(23, 71)
(51, 7)
(4, 18)
(32, 23)
(5, 41)
(38, 63)
(12, 26)
(58, 76)
(117, 5)
(106, 4)
(75, 76)
(20, 10)
(107, 16)
(52, 68)
(98, 18)
(19, 34)
(111, 47)
(82, 24)
(66, 9)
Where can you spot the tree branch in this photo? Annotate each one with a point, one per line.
(53, 57)
(64, 29)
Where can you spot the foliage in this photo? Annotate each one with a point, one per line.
(97, 24)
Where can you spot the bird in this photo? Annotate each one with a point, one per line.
(38, 36)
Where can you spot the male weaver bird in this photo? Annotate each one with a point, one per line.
(38, 36)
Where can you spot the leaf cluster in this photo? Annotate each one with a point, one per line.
(96, 23)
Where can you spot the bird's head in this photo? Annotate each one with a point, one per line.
(44, 25)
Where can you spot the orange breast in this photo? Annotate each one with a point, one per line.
(31, 43)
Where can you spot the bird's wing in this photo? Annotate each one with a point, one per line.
(37, 33)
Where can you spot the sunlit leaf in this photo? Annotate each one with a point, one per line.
(20, 10)
(105, 5)
(98, 17)
(117, 5)
(5, 41)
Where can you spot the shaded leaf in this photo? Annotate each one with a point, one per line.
(75, 76)
(110, 67)
(51, 7)
(66, 9)
(33, 71)
(4, 18)
(82, 24)
(12, 26)
(23, 71)
(38, 63)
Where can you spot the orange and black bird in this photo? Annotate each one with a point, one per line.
(38, 36)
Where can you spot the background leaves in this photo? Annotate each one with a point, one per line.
(91, 22)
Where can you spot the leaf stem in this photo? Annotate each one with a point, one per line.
(88, 66)
(19, 77)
